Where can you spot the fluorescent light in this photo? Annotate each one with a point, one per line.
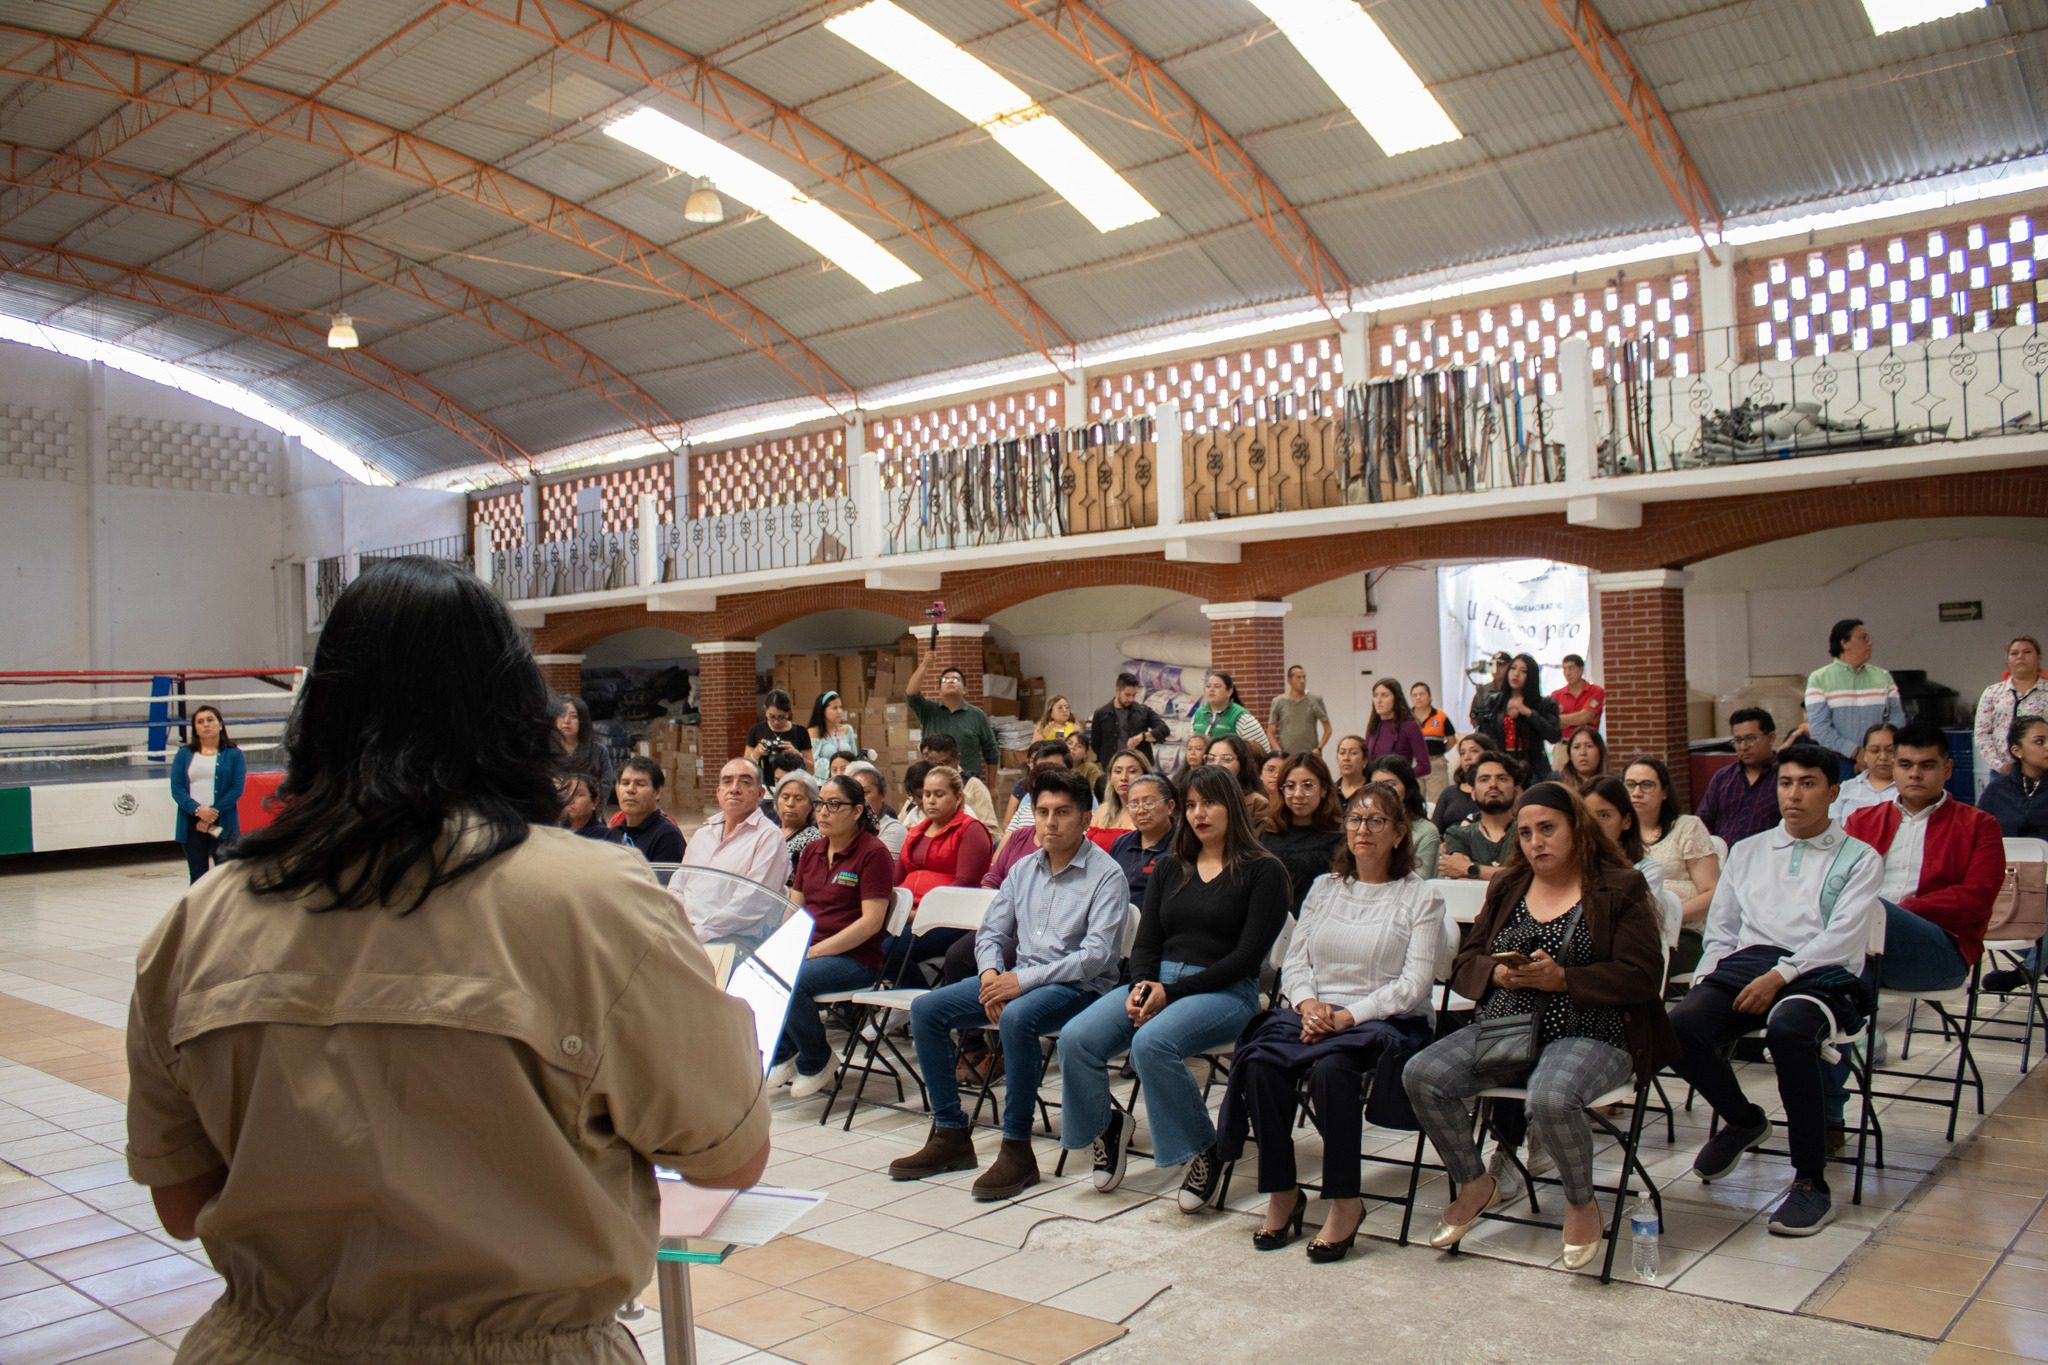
(838, 241)
(1889, 16)
(1347, 49)
(972, 88)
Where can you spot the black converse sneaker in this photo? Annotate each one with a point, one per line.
(1204, 1179)
(1112, 1151)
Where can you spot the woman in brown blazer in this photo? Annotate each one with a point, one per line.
(1590, 962)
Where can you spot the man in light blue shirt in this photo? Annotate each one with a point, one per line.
(1063, 911)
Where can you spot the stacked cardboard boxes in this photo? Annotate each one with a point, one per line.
(676, 747)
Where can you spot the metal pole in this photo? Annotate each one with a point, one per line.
(678, 1323)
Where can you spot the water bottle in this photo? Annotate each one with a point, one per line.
(1642, 1231)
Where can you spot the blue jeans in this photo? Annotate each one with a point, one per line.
(803, 1032)
(1918, 956)
(1029, 1017)
(1181, 1127)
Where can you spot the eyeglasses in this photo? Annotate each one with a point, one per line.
(1136, 807)
(1642, 787)
(835, 805)
(1372, 824)
(1301, 788)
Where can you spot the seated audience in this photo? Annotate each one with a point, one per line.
(1241, 761)
(1212, 911)
(1194, 753)
(1585, 758)
(1522, 721)
(796, 800)
(1111, 819)
(1220, 713)
(890, 830)
(1848, 696)
(1017, 812)
(1081, 759)
(738, 839)
(1303, 828)
(1873, 781)
(1357, 978)
(1479, 847)
(1454, 805)
(1589, 965)
(1124, 722)
(1607, 801)
(951, 848)
(1153, 808)
(641, 823)
(2018, 800)
(845, 880)
(1269, 777)
(1742, 798)
(1298, 720)
(780, 765)
(913, 795)
(1350, 773)
(1059, 721)
(1393, 770)
(1678, 844)
(1785, 945)
(1046, 950)
(579, 807)
(832, 736)
(1392, 727)
(943, 750)
(2021, 693)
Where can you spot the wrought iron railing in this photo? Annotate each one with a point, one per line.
(784, 536)
(591, 558)
(1057, 483)
(329, 576)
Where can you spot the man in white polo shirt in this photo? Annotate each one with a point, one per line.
(741, 840)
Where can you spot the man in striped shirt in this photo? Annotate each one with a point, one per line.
(1848, 696)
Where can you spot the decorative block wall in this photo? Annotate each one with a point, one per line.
(200, 457)
(1527, 331)
(40, 443)
(788, 469)
(619, 497)
(999, 417)
(1227, 389)
(504, 514)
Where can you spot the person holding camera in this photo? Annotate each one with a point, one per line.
(777, 732)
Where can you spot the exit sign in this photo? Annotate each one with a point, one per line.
(1364, 641)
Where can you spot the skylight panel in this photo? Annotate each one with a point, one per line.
(1889, 16)
(1349, 51)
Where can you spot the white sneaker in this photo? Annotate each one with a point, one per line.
(781, 1074)
(1507, 1178)
(1538, 1161)
(803, 1087)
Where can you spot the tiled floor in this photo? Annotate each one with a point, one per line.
(885, 1271)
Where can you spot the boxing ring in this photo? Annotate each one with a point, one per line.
(85, 755)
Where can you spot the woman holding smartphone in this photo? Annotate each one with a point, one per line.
(1212, 910)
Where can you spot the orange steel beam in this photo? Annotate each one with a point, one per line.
(1640, 108)
(579, 28)
(110, 183)
(239, 51)
(101, 276)
(1145, 83)
(141, 78)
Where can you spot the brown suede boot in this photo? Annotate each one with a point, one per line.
(1015, 1171)
(945, 1149)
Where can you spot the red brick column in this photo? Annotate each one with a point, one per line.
(1642, 659)
(1245, 642)
(563, 673)
(960, 645)
(728, 697)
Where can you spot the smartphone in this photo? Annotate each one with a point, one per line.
(1515, 959)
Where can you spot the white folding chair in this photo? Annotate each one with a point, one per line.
(1720, 848)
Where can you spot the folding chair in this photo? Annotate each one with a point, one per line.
(898, 918)
(2014, 952)
(1967, 1073)
(944, 907)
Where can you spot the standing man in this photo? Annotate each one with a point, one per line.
(1742, 798)
(1848, 696)
(1298, 721)
(1061, 914)
(741, 840)
(1579, 701)
(1124, 722)
(1478, 847)
(952, 714)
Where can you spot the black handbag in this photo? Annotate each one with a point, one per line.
(1504, 1048)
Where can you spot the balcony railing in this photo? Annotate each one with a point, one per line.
(325, 578)
(1059, 483)
(590, 558)
(784, 536)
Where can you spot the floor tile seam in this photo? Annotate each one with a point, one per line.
(1977, 1294)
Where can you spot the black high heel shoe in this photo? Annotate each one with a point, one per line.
(1272, 1239)
(1323, 1253)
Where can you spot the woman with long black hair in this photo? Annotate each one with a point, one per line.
(414, 1015)
(579, 750)
(1523, 721)
(1212, 910)
(207, 778)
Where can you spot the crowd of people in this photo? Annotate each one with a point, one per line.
(1137, 914)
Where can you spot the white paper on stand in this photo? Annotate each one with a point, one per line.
(762, 1214)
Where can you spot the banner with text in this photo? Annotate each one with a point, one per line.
(1522, 606)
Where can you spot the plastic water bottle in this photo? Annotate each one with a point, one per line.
(1643, 1229)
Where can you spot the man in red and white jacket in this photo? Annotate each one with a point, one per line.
(1944, 862)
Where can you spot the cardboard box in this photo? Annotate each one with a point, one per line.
(1002, 706)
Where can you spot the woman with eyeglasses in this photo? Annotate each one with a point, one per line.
(845, 879)
(1110, 820)
(1303, 829)
(1679, 844)
(1357, 980)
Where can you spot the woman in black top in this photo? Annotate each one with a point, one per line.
(577, 746)
(1303, 831)
(1212, 910)
(1521, 719)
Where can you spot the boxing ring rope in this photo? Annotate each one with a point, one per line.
(169, 703)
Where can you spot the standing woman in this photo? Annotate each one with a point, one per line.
(1303, 829)
(1681, 845)
(1212, 910)
(1593, 963)
(1350, 767)
(576, 742)
(1358, 973)
(845, 879)
(1585, 759)
(206, 781)
(1220, 713)
(1521, 719)
(1059, 721)
(2021, 692)
(1391, 729)
(1110, 820)
(831, 735)
(1438, 734)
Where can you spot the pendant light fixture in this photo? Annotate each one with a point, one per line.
(704, 205)
(341, 328)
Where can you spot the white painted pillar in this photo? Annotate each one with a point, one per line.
(1173, 490)
(682, 477)
(480, 551)
(1354, 334)
(648, 559)
(1575, 398)
(1718, 304)
(100, 587)
(864, 477)
(1074, 396)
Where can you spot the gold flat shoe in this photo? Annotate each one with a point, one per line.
(1447, 1234)
(1577, 1255)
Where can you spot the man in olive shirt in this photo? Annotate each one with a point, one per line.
(1478, 847)
(1298, 721)
(952, 714)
